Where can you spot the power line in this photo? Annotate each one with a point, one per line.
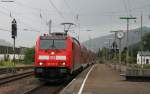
(29, 26)
(129, 6)
(59, 12)
(126, 7)
(2, 29)
(69, 8)
(37, 9)
(27, 6)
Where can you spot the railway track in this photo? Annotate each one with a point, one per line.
(50, 88)
(46, 89)
(14, 69)
(14, 77)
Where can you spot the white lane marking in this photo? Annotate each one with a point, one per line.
(82, 86)
(63, 91)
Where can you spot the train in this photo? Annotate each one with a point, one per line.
(59, 56)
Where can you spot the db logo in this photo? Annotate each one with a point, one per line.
(52, 57)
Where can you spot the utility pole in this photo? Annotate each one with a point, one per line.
(109, 49)
(106, 50)
(141, 37)
(127, 40)
(50, 26)
(78, 24)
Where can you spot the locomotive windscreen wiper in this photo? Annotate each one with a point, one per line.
(53, 45)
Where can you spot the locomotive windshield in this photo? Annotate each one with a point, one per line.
(52, 44)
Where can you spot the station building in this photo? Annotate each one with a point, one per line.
(143, 57)
(6, 51)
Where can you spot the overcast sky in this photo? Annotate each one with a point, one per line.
(100, 16)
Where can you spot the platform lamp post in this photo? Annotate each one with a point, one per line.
(120, 35)
(127, 40)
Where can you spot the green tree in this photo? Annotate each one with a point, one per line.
(146, 41)
(29, 56)
(123, 55)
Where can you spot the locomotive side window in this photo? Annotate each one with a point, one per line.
(52, 44)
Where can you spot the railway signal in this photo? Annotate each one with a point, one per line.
(14, 35)
(14, 28)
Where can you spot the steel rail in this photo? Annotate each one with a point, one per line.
(15, 77)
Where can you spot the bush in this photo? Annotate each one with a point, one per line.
(7, 63)
(29, 56)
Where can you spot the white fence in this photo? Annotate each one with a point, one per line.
(11, 56)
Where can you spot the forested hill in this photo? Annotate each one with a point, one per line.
(134, 37)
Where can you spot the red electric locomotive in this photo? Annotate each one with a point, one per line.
(58, 56)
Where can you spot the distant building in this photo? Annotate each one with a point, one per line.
(6, 51)
(145, 56)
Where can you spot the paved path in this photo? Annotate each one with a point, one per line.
(104, 80)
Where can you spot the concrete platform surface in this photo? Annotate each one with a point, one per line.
(104, 80)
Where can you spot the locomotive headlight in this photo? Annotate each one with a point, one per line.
(52, 53)
(41, 63)
(63, 63)
(42, 57)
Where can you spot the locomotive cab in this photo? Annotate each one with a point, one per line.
(52, 57)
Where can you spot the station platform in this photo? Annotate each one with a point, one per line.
(101, 79)
(104, 80)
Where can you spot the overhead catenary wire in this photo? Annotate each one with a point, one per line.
(126, 7)
(129, 8)
(59, 12)
(93, 14)
(25, 24)
(69, 8)
(30, 7)
(38, 10)
(2, 29)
